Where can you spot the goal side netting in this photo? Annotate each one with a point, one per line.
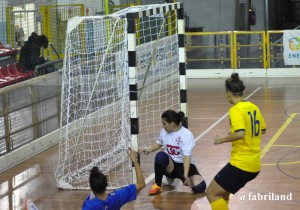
(119, 70)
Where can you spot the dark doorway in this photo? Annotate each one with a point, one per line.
(284, 14)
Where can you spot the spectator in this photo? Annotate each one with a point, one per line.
(19, 36)
(30, 54)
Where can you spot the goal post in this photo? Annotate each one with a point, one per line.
(121, 71)
(157, 62)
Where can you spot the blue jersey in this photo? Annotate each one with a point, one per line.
(114, 201)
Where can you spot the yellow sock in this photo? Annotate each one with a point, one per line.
(219, 204)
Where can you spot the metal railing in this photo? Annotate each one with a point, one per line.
(48, 67)
(234, 49)
(29, 110)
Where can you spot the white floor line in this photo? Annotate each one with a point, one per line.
(151, 177)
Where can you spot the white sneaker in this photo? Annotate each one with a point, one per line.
(29, 205)
(167, 181)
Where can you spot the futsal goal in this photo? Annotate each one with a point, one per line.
(121, 71)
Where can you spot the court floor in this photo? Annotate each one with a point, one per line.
(276, 187)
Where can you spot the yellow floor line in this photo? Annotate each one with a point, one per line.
(285, 145)
(277, 134)
(284, 163)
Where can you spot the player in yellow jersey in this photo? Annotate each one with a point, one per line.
(246, 127)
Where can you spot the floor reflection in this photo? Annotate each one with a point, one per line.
(180, 200)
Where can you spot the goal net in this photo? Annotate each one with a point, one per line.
(121, 71)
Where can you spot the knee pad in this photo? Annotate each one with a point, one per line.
(200, 188)
(162, 159)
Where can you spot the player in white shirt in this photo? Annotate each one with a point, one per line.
(177, 160)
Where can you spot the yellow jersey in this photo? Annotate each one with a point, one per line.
(245, 153)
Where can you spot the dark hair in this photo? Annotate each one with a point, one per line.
(235, 85)
(98, 181)
(43, 41)
(33, 37)
(172, 116)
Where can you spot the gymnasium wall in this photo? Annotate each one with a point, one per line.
(219, 15)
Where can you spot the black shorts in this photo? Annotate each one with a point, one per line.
(232, 179)
(179, 171)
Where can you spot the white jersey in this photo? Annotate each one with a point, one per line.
(177, 144)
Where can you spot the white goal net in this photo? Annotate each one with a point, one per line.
(104, 56)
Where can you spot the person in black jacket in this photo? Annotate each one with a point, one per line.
(30, 54)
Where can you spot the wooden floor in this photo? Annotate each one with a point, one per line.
(279, 100)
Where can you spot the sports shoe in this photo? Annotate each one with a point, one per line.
(167, 181)
(155, 189)
(29, 205)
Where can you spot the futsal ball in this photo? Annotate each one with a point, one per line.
(167, 181)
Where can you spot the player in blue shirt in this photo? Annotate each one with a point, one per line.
(99, 199)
